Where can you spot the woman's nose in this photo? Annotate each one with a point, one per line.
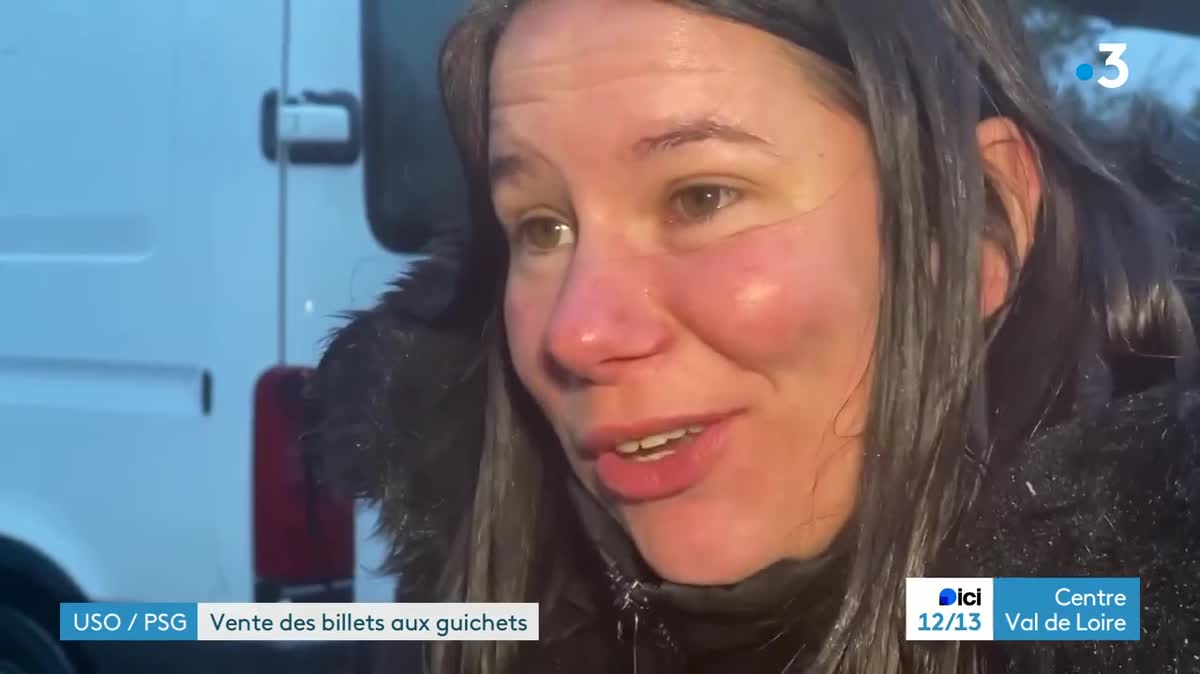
(606, 320)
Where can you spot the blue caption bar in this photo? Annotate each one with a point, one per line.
(127, 622)
(1067, 609)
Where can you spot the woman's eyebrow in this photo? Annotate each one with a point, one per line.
(506, 167)
(697, 131)
(503, 168)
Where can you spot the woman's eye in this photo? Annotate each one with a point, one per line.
(701, 202)
(542, 234)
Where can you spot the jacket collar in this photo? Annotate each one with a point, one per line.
(790, 597)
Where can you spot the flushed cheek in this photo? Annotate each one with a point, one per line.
(794, 306)
(774, 297)
(527, 310)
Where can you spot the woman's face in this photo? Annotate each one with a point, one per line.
(695, 275)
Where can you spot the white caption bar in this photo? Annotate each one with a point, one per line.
(367, 622)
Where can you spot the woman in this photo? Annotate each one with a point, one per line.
(767, 306)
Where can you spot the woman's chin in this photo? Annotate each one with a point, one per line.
(699, 555)
(679, 566)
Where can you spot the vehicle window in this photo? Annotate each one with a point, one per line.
(414, 187)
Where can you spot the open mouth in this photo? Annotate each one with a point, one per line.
(659, 445)
(656, 459)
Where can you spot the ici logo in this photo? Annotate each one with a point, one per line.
(952, 597)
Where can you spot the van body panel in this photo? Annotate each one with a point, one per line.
(139, 275)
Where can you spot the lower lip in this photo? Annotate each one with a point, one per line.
(672, 474)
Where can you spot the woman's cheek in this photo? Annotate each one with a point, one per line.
(525, 319)
(775, 294)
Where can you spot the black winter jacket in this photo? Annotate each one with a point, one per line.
(1115, 494)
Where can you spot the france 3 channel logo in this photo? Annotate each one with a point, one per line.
(1118, 69)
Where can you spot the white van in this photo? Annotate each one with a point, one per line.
(165, 281)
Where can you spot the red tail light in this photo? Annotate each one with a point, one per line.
(303, 533)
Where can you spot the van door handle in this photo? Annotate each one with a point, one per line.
(314, 128)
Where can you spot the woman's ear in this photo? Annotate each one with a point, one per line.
(1011, 167)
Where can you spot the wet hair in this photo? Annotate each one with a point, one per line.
(423, 402)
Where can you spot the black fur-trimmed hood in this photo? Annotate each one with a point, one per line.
(1113, 494)
(400, 394)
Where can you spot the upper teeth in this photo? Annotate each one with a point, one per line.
(656, 440)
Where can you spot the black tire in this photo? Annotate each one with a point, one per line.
(27, 648)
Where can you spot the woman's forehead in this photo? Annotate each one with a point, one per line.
(575, 44)
(637, 66)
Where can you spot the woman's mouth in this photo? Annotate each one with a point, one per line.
(661, 463)
(655, 447)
